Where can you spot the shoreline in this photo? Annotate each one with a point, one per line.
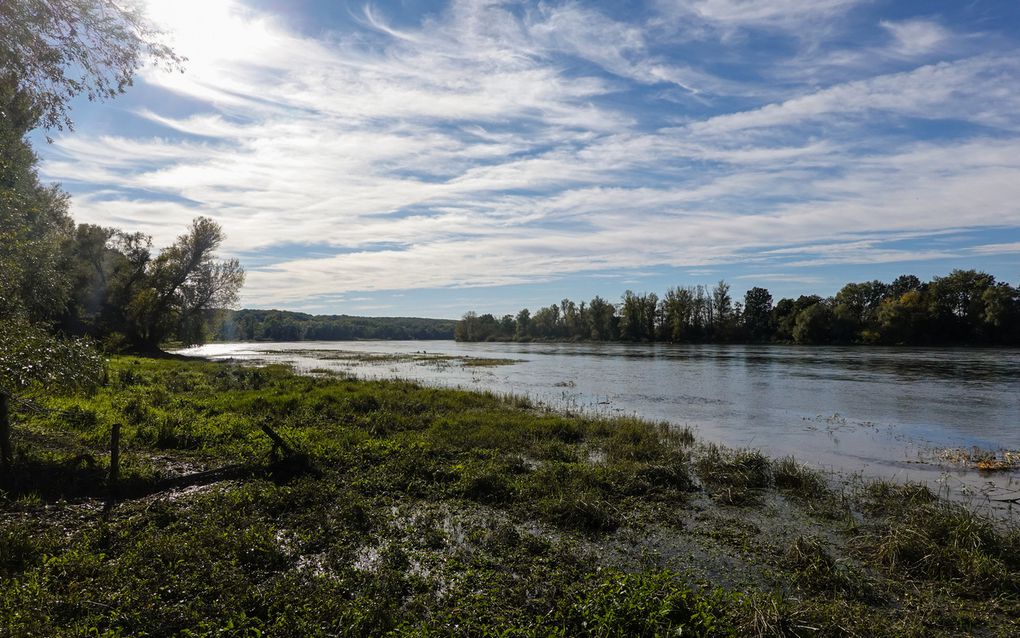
(901, 450)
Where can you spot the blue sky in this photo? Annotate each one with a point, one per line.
(426, 158)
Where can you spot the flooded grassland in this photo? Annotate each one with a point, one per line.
(947, 417)
(392, 508)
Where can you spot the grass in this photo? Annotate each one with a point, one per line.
(735, 477)
(927, 539)
(403, 510)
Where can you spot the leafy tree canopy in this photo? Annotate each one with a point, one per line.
(56, 50)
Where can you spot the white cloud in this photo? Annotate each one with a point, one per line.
(498, 144)
(767, 11)
(959, 90)
(916, 37)
(803, 19)
(1012, 248)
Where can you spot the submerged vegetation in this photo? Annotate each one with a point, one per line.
(394, 509)
(979, 459)
(353, 358)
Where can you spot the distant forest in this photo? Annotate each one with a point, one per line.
(964, 307)
(281, 325)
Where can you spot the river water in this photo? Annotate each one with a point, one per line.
(889, 413)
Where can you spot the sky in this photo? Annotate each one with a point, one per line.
(420, 158)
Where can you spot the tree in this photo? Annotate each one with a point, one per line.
(31, 359)
(638, 316)
(786, 312)
(50, 52)
(182, 283)
(1001, 320)
(649, 314)
(722, 303)
(902, 285)
(703, 312)
(861, 300)
(507, 327)
(90, 264)
(56, 50)
(722, 310)
(523, 325)
(813, 324)
(467, 327)
(545, 323)
(905, 319)
(571, 319)
(758, 313)
(856, 310)
(34, 224)
(130, 254)
(677, 311)
(957, 304)
(602, 320)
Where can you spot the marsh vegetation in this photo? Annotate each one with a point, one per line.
(898, 414)
(403, 510)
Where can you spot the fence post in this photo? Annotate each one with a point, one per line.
(6, 456)
(114, 459)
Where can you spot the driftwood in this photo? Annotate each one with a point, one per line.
(280, 447)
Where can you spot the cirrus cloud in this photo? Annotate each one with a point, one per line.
(508, 143)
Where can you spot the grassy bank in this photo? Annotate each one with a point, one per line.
(397, 509)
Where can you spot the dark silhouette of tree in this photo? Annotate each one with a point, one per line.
(758, 314)
(902, 285)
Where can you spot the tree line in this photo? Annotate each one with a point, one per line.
(281, 325)
(964, 307)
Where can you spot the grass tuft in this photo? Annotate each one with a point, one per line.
(946, 543)
(799, 480)
(734, 477)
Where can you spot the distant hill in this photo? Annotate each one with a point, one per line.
(282, 325)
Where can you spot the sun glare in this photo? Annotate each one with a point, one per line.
(207, 31)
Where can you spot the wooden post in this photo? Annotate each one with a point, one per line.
(278, 443)
(114, 458)
(6, 456)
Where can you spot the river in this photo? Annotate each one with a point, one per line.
(879, 412)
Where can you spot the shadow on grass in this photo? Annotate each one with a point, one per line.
(52, 480)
